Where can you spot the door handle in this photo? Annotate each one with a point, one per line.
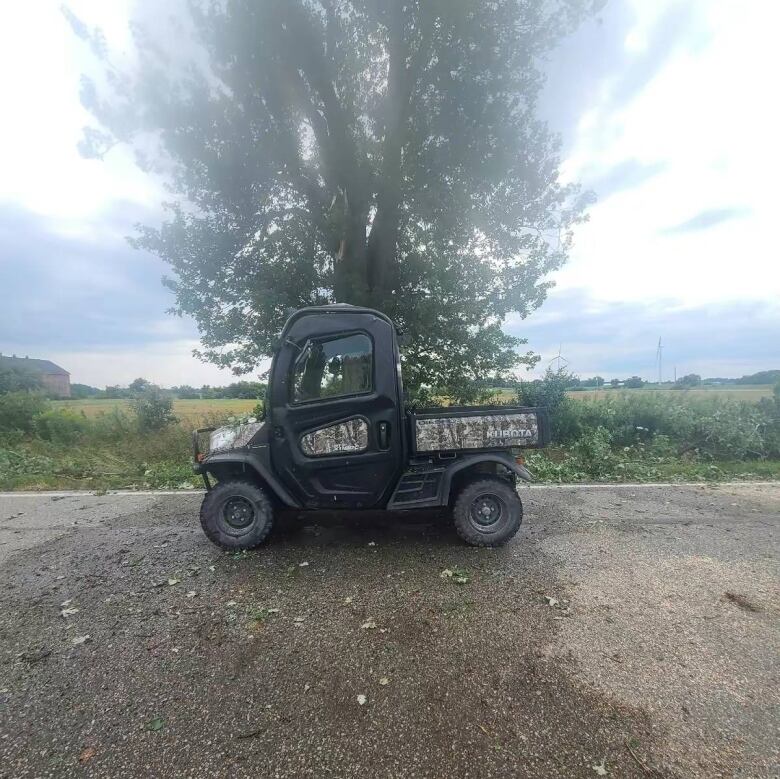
(383, 435)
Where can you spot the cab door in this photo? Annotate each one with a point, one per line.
(335, 412)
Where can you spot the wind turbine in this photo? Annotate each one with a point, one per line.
(659, 358)
(560, 359)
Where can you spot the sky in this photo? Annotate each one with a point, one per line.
(665, 110)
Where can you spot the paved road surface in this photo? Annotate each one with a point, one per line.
(632, 630)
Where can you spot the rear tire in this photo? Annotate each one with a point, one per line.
(487, 512)
(236, 515)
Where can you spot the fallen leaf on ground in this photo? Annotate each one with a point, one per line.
(191, 594)
(361, 699)
(231, 603)
(158, 723)
(600, 769)
(212, 568)
(551, 601)
(66, 603)
(173, 580)
(306, 687)
(68, 612)
(347, 600)
(458, 575)
(384, 681)
(79, 640)
(369, 625)
(303, 564)
(87, 754)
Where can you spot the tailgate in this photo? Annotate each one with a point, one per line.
(480, 428)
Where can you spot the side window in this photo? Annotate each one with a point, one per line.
(332, 368)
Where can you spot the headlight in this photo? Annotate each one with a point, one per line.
(222, 438)
(232, 436)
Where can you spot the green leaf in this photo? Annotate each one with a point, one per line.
(158, 723)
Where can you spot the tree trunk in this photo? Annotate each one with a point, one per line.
(350, 272)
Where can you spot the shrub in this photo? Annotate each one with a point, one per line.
(593, 452)
(113, 425)
(716, 428)
(18, 380)
(549, 391)
(60, 426)
(153, 410)
(19, 409)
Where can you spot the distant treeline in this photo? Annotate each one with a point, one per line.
(248, 390)
(574, 382)
(251, 390)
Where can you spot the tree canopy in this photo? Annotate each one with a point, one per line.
(15, 379)
(385, 153)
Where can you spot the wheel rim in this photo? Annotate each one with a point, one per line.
(486, 511)
(238, 513)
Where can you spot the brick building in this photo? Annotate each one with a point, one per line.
(55, 380)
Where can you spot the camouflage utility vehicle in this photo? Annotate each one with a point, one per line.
(337, 435)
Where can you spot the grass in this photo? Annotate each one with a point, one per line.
(558, 465)
(193, 412)
(749, 393)
(606, 435)
(135, 461)
(196, 411)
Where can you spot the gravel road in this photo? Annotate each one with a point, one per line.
(629, 632)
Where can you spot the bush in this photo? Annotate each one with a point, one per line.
(153, 410)
(18, 380)
(549, 392)
(18, 411)
(60, 426)
(114, 425)
(716, 428)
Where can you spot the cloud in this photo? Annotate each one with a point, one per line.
(663, 111)
(625, 175)
(706, 219)
(59, 289)
(620, 339)
(676, 26)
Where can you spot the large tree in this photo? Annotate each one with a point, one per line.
(384, 153)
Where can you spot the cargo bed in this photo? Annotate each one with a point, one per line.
(480, 428)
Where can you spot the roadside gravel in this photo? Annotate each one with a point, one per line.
(602, 636)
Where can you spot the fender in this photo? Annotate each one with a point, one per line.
(404, 498)
(248, 460)
(475, 459)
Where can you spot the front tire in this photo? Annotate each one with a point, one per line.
(236, 515)
(487, 512)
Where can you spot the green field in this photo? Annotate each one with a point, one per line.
(195, 412)
(750, 393)
(190, 411)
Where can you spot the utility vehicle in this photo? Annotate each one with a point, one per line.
(337, 435)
